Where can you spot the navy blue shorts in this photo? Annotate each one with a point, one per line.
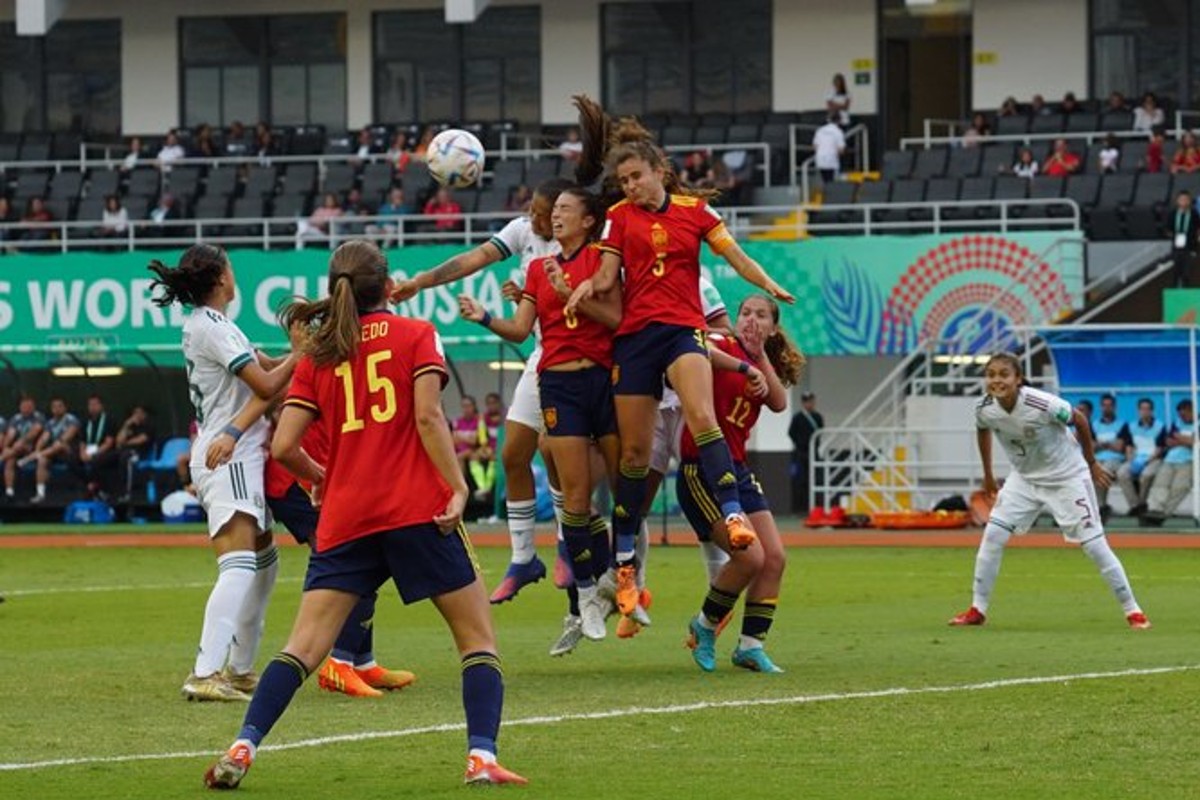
(577, 403)
(641, 358)
(422, 561)
(699, 504)
(295, 510)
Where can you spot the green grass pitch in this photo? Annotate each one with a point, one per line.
(93, 665)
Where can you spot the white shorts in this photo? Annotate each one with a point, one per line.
(1072, 502)
(526, 405)
(667, 431)
(233, 487)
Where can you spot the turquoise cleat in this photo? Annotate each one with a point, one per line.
(702, 642)
(755, 659)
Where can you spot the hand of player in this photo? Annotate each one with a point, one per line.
(298, 334)
(756, 382)
(220, 450)
(449, 519)
(470, 309)
(554, 274)
(1099, 476)
(990, 489)
(511, 291)
(584, 291)
(404, 290)
(751, 337)
(779, 293)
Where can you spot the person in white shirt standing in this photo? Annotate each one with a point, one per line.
(224, 371)
(829, 143)
(1050, 469)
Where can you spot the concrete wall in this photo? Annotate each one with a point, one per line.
(812, 41)
(1039, 48)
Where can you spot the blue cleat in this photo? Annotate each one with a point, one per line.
(755, 659)
(702, 642)
(516, 577)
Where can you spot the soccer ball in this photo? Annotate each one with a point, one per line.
(455, 158)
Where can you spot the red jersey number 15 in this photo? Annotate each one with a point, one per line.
(382, 410)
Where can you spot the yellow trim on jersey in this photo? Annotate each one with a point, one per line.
(685, 200)
(706, 502)
(618, 204)
(461, 530)
(419, 371)
(307, 405)
(719, 238)
(608, 248)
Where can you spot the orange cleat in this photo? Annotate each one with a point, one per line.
(741, 535)
(377, 677)
(485, 772)
(230, 768)
(338, 676)
(627, 591)
(972, 616)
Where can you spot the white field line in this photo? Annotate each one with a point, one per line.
(617, 713)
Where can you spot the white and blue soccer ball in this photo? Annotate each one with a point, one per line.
(455, 158)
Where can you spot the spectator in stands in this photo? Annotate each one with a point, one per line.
(1110, 436)
(1109, 156)
(804, 425)
(183, 463)
(265, 145)
(98, 450)
(696, 170)
(170, 152)
(1038, 107)
(1187, 157)
(979, 129)
(24, 430)
(398, 153)
(164, 212)
(57, 443)
(519, 201)
(114, 221)
(135, 443)
(837, 100)
(134, 155)
(1062, 162)
(1174, 478)
(473, 449)
(493, 417)
(1116, 103)
(1069, 104)
(1143, 457)
(1148, 114)
(1185, 228)
(203, 145)
(366, 146)
(725, 181)
(427, 134)
(236, 141)
(829, 143)
(386, 231)
(7, 216)
(36, 213)
(317, 224)
(443, 203)
(571, 148)
(1009, 108)
(1026, 166)
(1153, 161)
(354, 206)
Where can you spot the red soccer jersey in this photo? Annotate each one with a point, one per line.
(737, 410)
(278, 480)
(660, 251)
(577, 336)
(377, 474)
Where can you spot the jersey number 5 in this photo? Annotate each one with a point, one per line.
(381, 411)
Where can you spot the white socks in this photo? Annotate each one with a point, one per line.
(1111, 570)
(714, 558)
(253, 616)
(641, 550)
(987, 564)
(235, 575)
(521, 522)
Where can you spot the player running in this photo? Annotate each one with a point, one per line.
(374, 381)
(1050, 469)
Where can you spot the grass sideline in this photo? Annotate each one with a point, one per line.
(96, 673)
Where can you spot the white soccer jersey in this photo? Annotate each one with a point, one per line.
(1034, 435)
(216, 350)
(517, 238)
(713, 306)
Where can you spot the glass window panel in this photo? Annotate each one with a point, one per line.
(201, 96)
(395, 92)
(625, 84)
(307, 37)
(503, 32)
(481, 88)
(523, 90)
(665, 88)
(240, 96)
(84, 46)
(752, 88)
(289, 103)
(712, 81)
(644, 26)
(327, 96)
(221, 40)
(65, 106)
(435, 93)
(414, 36)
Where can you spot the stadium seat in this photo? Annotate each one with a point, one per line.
(35, 147)
(1117, 121)
(1043, 187)
(906, 191)
(897, 164)
(103, 182)
(1153, 190)
(339, 178)
(66, 185)
(299, 179)
(1012, 126)
(507, 174)
(709, 134)
(90, 209)
(183, 182)
(1083, 189)
(1133, 156)
(675, 135)
(144, 182)
(65, 146)
(930, 163)
(1082, 122)
(1046, 123)
(168, 454)
(973, 189)
(289, 206)
(222, 181)
(1143, 222)
(1116, 190)
(1186, 182)
(742, 133)
(541, 170)
(997, 158)
(416, 181)
(260, 181)
(30, 184)
(1104, 224)
(964, 162)
(376, 179)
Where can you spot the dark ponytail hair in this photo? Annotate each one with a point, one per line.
(593, 206)
(786, 358)
(358, 274)
(193, 281)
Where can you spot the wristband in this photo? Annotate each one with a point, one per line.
(487, 320)
(232, 432)
(743, 367)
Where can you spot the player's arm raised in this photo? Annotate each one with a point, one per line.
(435, 438)
(516, 329)
(750, 270)
(452, 269)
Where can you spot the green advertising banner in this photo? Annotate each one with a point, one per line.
(855, 296)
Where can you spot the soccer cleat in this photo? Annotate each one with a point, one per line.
(754, 659)
(242, 681)
(516, 578)
(338, 676)
(377, 677)
(972, 616)
(230, 768)
(484, 772)
(592, 611)
(702, 642)
(627, 592)
(628, 627)
(212, 688)
(568, 640)
(741, 535)
(1137, 620)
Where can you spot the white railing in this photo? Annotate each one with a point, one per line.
(857, 135)
(1007, 221)
(927, 141)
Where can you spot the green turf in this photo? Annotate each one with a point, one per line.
(96, 673)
